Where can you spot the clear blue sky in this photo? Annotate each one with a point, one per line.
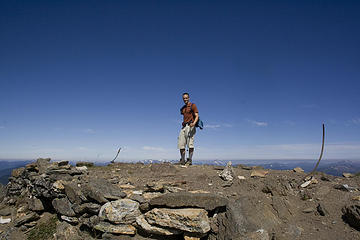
(78, 79)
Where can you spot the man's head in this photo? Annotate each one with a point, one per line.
(186, 98)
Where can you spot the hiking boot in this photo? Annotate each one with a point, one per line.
(180, 162)
(188, 161)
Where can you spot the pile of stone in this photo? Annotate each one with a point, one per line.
(105, 209)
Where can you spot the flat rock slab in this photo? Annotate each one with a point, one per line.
(206, 201)
(141, 221)
(27, 218)
(120, 211)
(63, 206)
(186, 219)
(118, 229)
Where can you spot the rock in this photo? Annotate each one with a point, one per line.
(348, 175)
(35, 204)
(151, 195)
(58, 186)
(65, 231)
(63, 207)
(18, 172)
(72, 220)
(351, 214)
(227, 174)
(298, 170)
(141, 221)
(144, 207)
(43, 164)
(308, 210)
(94, 194)
(127, 186)
(321, 209)
(207, 201)
(260, 234)
(122, 211)
(345, 187)
(86, 164)
(6, 211)
(118, 229)
(355, 198)
(25, 219)
(155, 187)
(4, 220)
(305, 184)
(81, 169)
(241, 177)
(74, 193)
(100, 189)
(259, 173)
(91, 208)
(185, 219)
(190, 238)
(138, 198)
(62, 163)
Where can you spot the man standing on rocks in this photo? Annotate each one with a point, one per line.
(187, 132)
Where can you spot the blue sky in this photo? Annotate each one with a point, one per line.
(78, 79)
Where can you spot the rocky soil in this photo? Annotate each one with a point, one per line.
(53, 200)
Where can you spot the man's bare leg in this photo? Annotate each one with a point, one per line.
(191, 152)
(182, 154)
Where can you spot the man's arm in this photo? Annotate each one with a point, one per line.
(195, 120)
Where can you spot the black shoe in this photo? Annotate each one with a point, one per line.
(189, 161)
(180, 162)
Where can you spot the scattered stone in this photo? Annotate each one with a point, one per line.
(352, 215)
(122, 211)
(81, 169)
(356, 198)
(25, 219)
(150, 195)
(259, 173)
(241, 177)
(321, 209)
(227, 174)
(308, 210)
(72, 220)
(63, 207)
(127, 186)
(118, 229)
(345, 187)
(207, 201)
(155, 187)
(84, 164)
(348, 175)
(305, 184)
(186, 219)
(298, 170)
(5, 211)
(141, 221)
(4, 220)
(227, 184)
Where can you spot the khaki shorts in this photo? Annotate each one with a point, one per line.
(186, 137)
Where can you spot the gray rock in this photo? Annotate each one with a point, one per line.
(86, 164)
(6, 211)
(118, 229)
(91, 208)
(122, 211)
(227, 174)
(65, 231)
(136, 197)
(25, 219)
(74, 193)
(207, 201)
(100, 190)
(321, 209)
(63, 207)
(95, 194)
(141, 221)
(185, 219)
(35, 204)
(72, 220)
(351, 214)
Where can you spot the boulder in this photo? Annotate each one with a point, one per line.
(207, 201)
(351, 214)
(118, 229)
(185, 219)
(74, 193)
(142, 223)
(63, 207)
(122, 211)
(100, 189)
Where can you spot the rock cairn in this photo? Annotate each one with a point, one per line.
(105, 209)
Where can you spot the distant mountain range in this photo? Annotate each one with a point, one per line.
(333, 167)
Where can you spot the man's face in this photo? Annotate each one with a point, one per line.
(186, 98)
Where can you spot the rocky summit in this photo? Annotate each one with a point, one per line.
(54, 200)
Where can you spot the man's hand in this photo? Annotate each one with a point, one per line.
(192, 124)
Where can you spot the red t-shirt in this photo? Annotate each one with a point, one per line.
(189, 111)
